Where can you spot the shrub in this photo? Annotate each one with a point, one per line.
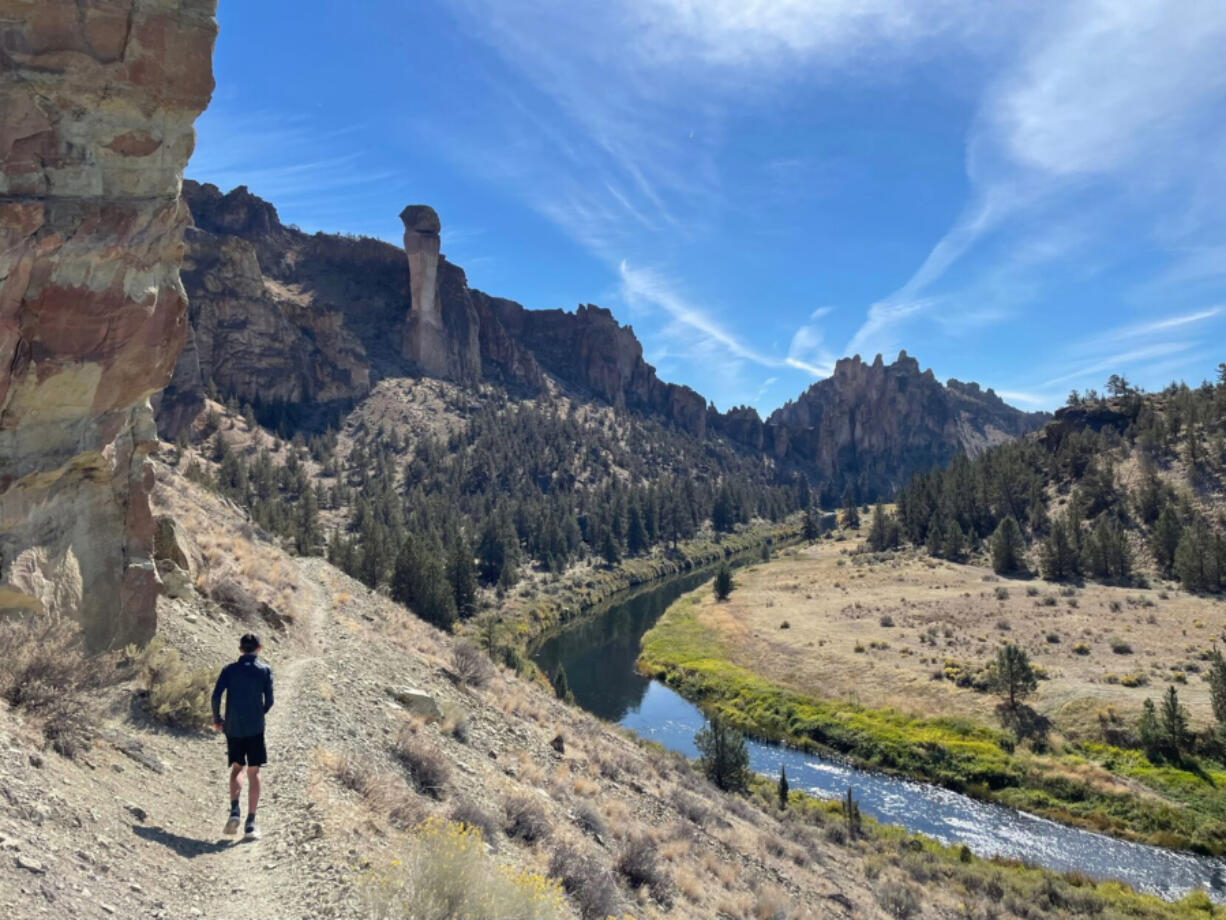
(690, 807)
(589, 820)
(471, 665)
(723, 583)
(175, 696)
(725, 759)
(638, 864)
(353, 773)
(886, 620)
(1002, 593)
(526, 819)
(44, 672)
(470, 814)
(898, 899)
(590, 885)
(1053, 638)
(447, 873)
(1120, 647)
(1081, 649)
(425, 765)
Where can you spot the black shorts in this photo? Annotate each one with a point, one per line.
(248, 751)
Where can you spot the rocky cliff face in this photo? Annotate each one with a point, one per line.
(98, 100)
(870, 426)
(283, 317)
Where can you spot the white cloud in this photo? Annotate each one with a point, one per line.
(1123, 97)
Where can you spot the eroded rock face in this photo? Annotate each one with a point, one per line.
(98, 101)
(441, 331)
(871, 426)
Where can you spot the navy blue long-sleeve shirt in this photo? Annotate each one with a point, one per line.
(247, 684)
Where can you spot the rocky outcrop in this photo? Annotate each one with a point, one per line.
(441, 331)
(871, 426)
(98, 101)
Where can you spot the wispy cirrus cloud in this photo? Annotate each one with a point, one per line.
(1107, 106)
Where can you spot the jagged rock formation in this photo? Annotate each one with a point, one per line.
(98, 101)
(871, 426)
(279, 316)
(282, 317)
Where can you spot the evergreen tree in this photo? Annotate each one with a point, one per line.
(723, 583)
(1198, 558)
(725, 759)
(495, 551)
(418, 583)
(1174, 723)
(636, 533)
(1007, 547)
(1149, 732)
(561, 687)
(723, 513)
(783, 787)
(1216, 678)
(1059, 559)
(609, 550)
(883, 531)
(461, 575)
(953, 542)
(810, 531)
(1167, 533)
(851, 513)
(1013, 677)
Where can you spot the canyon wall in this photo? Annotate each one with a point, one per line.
(870, 426)
(98, 100)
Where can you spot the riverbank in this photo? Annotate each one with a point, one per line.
(542, 605)
(1014, 886)
(1097, 787)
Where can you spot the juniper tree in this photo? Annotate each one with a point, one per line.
(1013, 677)
(723, 585)
(782, 789)
(1007, 547)
(1174, 722)
(725, 759)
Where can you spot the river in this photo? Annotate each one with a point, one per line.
(599, 654)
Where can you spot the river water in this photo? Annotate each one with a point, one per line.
(599, 655)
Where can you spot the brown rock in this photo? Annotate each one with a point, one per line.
(99, 100)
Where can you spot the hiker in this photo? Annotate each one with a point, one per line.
(247, 684)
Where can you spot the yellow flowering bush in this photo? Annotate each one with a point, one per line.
(448, 875)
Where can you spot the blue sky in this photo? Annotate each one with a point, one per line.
(1028, 195)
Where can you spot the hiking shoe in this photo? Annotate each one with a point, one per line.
(231, 825)
(251, 832)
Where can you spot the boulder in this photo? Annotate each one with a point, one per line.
(172, 543)
(418, 702)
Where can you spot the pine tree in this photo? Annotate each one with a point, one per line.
(1148, 730)
(851, 513)
(1167, 533)
(609, 550)
(1059, 560)
(883, 532)
(636, 533)
(1216, 678)
(723, 513)
(561, 687)
(461, 575)
(723, 583)
(1013, 677)
(725, 759)
(783, 787)
(810, 526)
(1007, 547)
(419, 584)
(1174, 723)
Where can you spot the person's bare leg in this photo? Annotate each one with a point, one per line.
(236, 789)
(253, 789)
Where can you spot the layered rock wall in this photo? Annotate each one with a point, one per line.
(98, 98)
(871, 426)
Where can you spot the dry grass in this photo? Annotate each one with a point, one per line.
(944, 612)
